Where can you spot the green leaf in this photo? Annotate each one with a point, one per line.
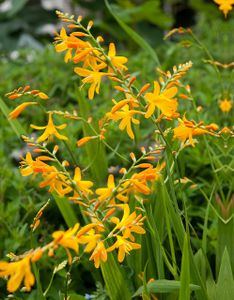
(225, 284)
(164, 286)
(66, 210)
(145, 292)
(115, 281)
(225, 239)
(95, 149)
(133, 35)
(76, 297)
(185, 272)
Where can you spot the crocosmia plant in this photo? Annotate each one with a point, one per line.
(140, 170)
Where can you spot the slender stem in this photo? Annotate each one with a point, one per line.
(71, 153)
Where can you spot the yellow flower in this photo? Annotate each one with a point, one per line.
(67, 239)
(225, 6)
(19, 109)
(93, 77)
(225, 105)
(63, 45)
(105, 193)
(50, 130)
(117, 61)
(124, 246)
(126, 117)
(83, 185)
(164, 101)
(187, 129)
(90, 239)
(56, 181)
(18, 271)
(136, 185)
(129, 222)
(99, 254)
(30, 166)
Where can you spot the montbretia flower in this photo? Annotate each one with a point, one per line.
(124, 246)
(125, 114)
(105, 193)
(162, 100)
(225, 105)
(225, 6)
(91, 238)
(93, 77)
(30, 166)
(67, 239)
(99, 254)
(18, 271)
(117, 61)
(82, 185)
(62, 44)
(130, 222)
(50, 130)
(56, 181)
(187, 129)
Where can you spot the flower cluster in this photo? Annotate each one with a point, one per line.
(91, 238)
(24, 92)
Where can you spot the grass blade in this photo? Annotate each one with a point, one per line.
(164, 286)
(225, 284)
(115, 282)
(95, 150)
(185, 272)
(133, 35)
(66, 210)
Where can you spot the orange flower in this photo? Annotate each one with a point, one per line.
(56, 181)
(129, 222)
(18, 271)
(17, 93)
(105, 193)
(187, 129)
(62, 46)
(126, 117)
(30, 166)
(92, 77)
(67, 239)
(117, 61)
(69, 42)
(50, 130)
(82, 185)
(164, 101)
(99, 254)
(85, 140)
(225, 105)
(137, 183)
(19, 109)
(90, 239)
(124, 246)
